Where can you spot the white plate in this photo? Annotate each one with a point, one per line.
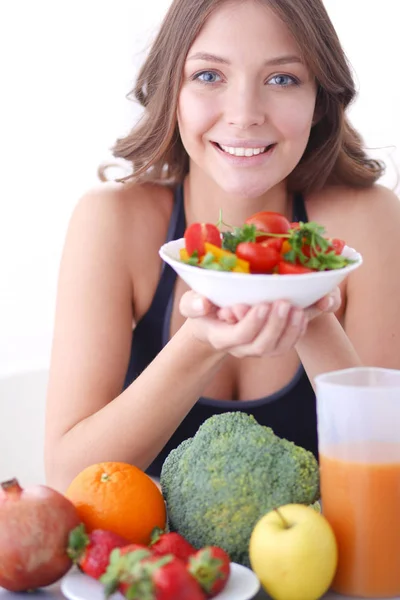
(242, 584)
(224, 288)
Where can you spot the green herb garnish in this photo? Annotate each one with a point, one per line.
(310, 236)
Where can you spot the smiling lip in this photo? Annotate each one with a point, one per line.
(243, 160)
(237, 143)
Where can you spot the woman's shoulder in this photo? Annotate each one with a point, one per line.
(127, 199)
(345, 195)
(353, 213)
(137, 209)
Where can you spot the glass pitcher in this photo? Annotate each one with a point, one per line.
(358, 414)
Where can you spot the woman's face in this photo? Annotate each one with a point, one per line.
(247, 100)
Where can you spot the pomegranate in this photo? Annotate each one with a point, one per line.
(34, 528)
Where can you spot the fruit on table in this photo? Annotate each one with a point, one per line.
(34, 526)
(211, 567)
(91, 551)
(293, 551)
(118, 575)
(120, 498)
(141, 577)
(219, 483)
(171, 543)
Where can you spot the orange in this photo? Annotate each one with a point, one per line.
(118, 497)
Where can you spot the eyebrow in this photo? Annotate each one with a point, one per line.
(278, 60)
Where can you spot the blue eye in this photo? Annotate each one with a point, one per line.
(207, 77)
(283, 80)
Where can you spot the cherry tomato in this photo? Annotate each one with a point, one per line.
(306, 249)
(262, 258)
(273, 242)
(197, 234)
(287, 268)
(294, 225)
(337, 245)
(270, 222)
(334, 244)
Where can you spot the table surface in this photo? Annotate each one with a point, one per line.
(53, 592)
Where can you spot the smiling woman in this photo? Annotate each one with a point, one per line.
(265, 89)
(302, 61)
(244, 111)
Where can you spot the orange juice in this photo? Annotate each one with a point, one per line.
(361, 500)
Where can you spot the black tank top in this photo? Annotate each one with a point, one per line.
(290, 412)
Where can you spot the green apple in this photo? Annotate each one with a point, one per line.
(293, 551)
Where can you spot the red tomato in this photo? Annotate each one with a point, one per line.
(306, 249)
(294, 225)
(270, 222)
(262, 258)
(287, 268)
(334, 244)
(199, 233)
(337, 245)
(273, 242)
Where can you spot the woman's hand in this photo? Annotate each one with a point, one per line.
(263, 329)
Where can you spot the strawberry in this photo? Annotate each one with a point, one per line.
(171, 543)
(210, 566)
(122, 562)
(91, 552)
(126, 549)
(160, 578)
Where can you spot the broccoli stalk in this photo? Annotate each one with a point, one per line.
(219, 483)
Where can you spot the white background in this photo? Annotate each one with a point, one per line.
(65, 68)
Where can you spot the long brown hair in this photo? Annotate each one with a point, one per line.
(334, 154)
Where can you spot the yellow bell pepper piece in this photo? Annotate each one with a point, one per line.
(242, 266)
(183, 254)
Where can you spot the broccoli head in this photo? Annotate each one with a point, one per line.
(219, 483)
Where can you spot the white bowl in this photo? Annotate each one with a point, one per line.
(224, 288)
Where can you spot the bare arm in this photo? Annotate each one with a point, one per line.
(88, 419)
(326, 347)
(371, 332)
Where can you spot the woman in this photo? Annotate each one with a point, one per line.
(139, 361)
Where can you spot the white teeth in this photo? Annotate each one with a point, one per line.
(243, 151)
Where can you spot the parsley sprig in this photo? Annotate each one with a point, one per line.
(319, 257)
(236, 235)
(231, 239)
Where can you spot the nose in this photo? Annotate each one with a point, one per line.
(245, 108)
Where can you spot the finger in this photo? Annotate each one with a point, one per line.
(223, 335)
(294, 330)
(193, 305)
(331, 302)
(233, 314)
(226, 314)
(268, 338)
(240, 310)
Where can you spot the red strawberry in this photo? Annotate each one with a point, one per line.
(211, 567)
(126, 549)
(161, 578)
(171, 543)
(122, 563)
(91, 552)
